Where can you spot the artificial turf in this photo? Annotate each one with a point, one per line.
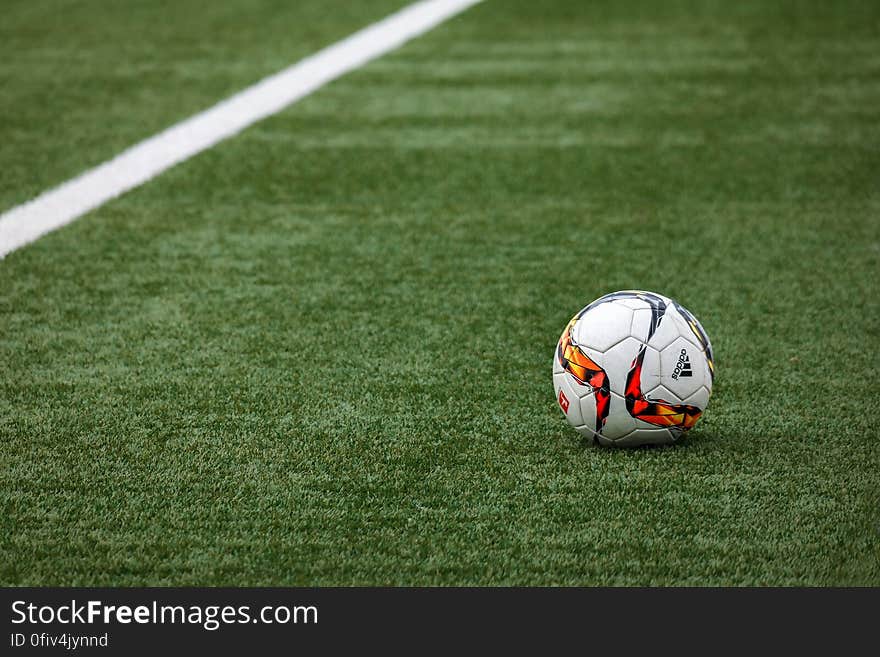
(319, 354)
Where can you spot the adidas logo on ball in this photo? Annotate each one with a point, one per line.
(683, 366)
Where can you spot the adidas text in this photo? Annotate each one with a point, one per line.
(683, 366)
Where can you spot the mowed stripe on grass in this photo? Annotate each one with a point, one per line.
(71, 200)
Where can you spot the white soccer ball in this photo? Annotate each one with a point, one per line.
(633, 368)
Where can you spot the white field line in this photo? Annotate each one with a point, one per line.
(60, 206)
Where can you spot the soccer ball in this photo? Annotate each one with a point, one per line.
(633, 368)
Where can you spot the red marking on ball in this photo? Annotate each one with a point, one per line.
(563, 402)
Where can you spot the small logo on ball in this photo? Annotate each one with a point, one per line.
(563, 402)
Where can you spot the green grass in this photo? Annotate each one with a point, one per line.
(81, 80)
(319, 354)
